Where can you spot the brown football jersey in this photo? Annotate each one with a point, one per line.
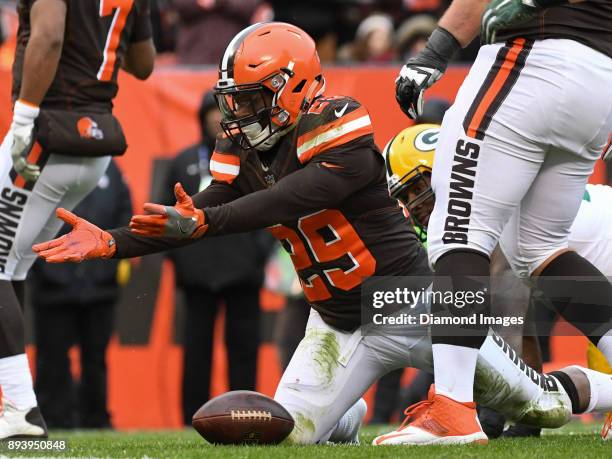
(97, 36)
(322, 192)
(588, 22)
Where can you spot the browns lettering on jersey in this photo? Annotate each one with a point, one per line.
(98, 33)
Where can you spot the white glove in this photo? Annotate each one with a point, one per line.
(18, 140)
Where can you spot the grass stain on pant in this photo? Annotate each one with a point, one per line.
(326, 352)
(303, 432)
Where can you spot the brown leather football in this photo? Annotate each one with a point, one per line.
(243, 416)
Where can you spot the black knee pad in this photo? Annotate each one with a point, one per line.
(580, 293)
(463, 277)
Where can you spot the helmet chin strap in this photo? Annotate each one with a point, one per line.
(255, 133)
(269, 142)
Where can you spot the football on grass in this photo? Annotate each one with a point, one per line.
(243, 416)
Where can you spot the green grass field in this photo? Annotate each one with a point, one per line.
(575, 440)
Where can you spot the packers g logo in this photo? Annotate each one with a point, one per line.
(427, 139)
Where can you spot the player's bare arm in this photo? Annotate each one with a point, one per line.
(462, 19)
(457, 28)
(140, 59)
(44, 49)
(42, 55)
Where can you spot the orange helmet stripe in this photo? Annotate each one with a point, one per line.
(226, 66)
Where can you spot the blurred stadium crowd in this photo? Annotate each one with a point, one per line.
(195, 32)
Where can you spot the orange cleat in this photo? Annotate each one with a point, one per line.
(437, 421)
(606, 431)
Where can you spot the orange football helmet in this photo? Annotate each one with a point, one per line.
(269, 75)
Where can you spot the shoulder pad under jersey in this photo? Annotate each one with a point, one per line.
(329, 123)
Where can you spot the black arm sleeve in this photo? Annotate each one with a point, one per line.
(131, 245)
(324, 183)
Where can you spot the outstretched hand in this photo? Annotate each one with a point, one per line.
(181, 221)
(84, 242)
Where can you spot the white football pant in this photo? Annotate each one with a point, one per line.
(332, 369)
(517, 147)
(27, 210)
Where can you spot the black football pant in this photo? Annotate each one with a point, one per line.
(242, 338)
(67, 403)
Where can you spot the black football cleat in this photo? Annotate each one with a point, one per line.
(520, 430)
(491, 421)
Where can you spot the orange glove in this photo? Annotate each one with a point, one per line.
(84, 242)
(183, 221)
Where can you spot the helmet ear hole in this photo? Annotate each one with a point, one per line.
(299, 86)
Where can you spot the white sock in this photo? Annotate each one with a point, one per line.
(16, 381)
(454, 368)
(345, 429)
(605, 346)
(601, 390)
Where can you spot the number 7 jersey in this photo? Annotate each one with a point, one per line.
(322, 192)
(97, 36)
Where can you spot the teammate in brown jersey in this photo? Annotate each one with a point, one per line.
(303, 165)
(515, 153)
(59, 144)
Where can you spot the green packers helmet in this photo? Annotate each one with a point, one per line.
(409, 157)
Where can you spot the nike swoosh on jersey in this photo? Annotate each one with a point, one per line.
(340, 113)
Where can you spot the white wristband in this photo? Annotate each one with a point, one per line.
(24, 113)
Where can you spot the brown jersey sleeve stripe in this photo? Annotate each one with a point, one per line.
(350, 116)
(497, 85)
(349, 137)
(343, 130)
(224, 167)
